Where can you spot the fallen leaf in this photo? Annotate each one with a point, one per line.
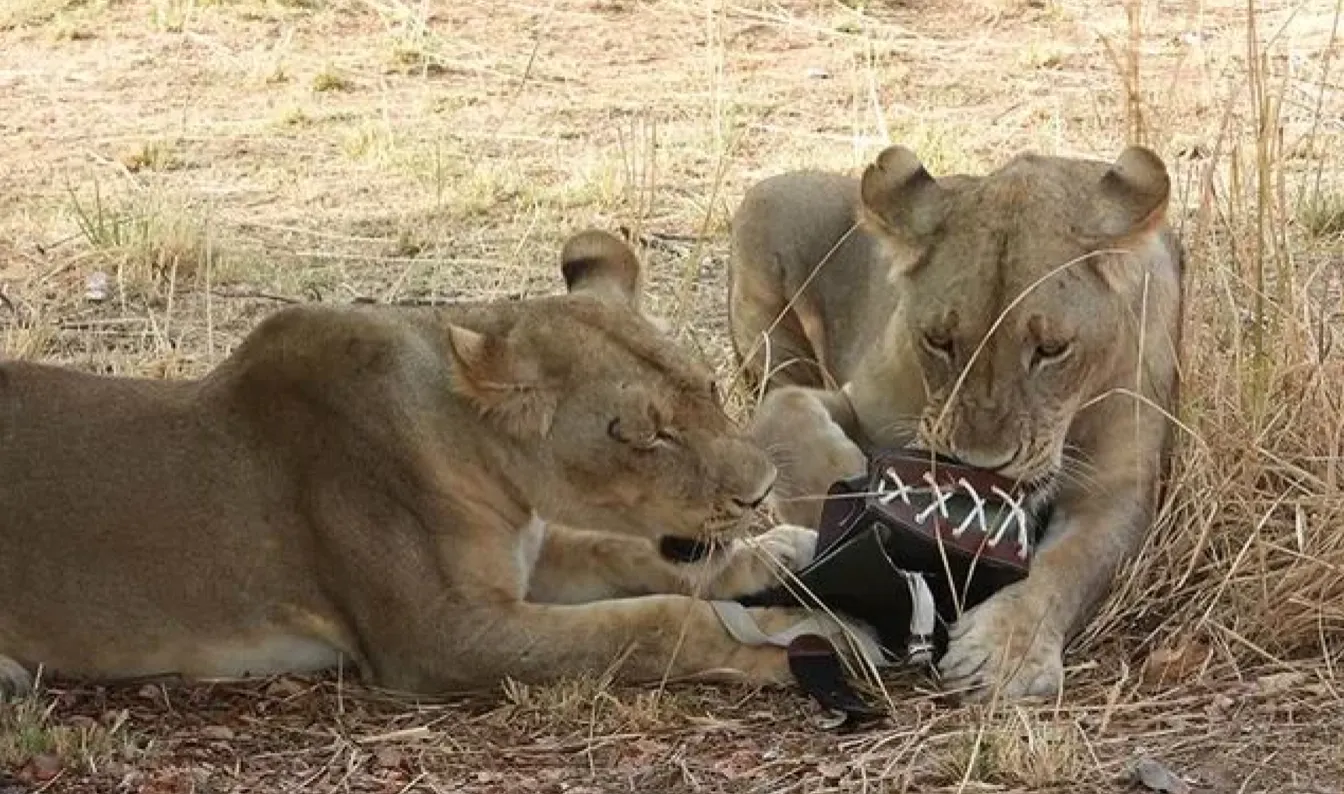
(284, 687)
(829, 719)
(1275, 683)
(154, 693)
(1168, 664)
(1154, 775)
(40, 768)
(738, 764)
(221, 733)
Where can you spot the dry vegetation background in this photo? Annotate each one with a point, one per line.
(172, 170)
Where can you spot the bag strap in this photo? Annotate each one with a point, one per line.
(813, 659)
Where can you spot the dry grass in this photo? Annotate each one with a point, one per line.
(214, 158)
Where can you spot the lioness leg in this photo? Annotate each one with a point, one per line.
(578, 566)
(809, 447)
(639, 639)
(774, 342)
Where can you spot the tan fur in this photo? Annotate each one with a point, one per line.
(808, 447)
(371, 483)
(905, 277)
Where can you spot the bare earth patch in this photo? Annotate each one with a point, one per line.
(173, 170)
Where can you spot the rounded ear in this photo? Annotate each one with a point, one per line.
(1134, 195)
(599, 263)
(1131, 204)
(503, 384)
(900, 196)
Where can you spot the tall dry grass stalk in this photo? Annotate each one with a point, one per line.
(1246, 562)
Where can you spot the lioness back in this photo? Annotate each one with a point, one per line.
(107, 539)
(795, 248)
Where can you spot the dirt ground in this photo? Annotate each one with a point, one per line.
(172, 170)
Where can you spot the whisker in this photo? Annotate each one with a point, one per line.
(1086, 484)
(1080, 472)
(855, 495)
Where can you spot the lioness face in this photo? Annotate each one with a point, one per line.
(1003, 384)
(1006, 282)
(627, 431)
(642, 438)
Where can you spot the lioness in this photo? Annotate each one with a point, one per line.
(375, 484)
(1026, 321)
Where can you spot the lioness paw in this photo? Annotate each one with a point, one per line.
(791, 546)
(15, 680)
(855, 640)
(1004, 647)
(759, 563)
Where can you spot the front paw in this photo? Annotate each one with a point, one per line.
(761, 562)
(791, 546)
(1006, 647)
(776, 627)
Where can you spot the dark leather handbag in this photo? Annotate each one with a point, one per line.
(905, 548)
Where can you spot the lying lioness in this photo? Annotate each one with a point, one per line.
(1025, 321)
(371, 484)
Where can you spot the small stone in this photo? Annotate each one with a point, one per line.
(96, 287)
(1155, 775)
(387, 757)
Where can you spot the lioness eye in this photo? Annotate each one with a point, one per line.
(659, 437)
(940, 345)
(1047, 352)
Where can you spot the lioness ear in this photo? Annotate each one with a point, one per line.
(602, 264)
(1134, 194)
(1132, 203)
(504, 386)
(900, 198)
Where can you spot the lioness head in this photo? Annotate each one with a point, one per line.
(1018, 292)
(611, 426)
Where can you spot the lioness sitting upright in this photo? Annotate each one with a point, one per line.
(1025, 321)
(371, 483)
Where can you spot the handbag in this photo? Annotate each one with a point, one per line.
(905, 548)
